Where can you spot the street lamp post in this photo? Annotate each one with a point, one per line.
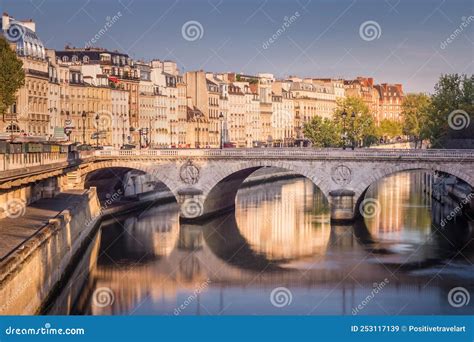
(123, 129)
(171, 133)
(198, 143)
(353, 115)
(97, 131)
(221, 120)
(84, 115)
(344, 132)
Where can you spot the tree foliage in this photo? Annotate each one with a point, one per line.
(415, 114)
(322, 132)
(453, 94)
(361, 129)
(389, 128)
(12, 75)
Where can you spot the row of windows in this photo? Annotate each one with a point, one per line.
(75, 59)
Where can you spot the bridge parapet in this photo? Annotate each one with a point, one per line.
(294, 153)
(10, 162)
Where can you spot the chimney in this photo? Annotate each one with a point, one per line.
(5, 21)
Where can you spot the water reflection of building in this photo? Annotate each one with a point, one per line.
(403, 210)
(273, 219)
(140, 238)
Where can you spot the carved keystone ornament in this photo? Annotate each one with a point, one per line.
(189, 173)
(341, 175)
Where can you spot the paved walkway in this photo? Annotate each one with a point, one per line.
(14, 231)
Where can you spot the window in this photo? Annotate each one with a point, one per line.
(85, 59)
(65, 59)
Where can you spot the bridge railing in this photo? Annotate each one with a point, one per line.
(291, 153)
(10, 162)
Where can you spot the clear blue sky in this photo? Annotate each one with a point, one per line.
(323, 41)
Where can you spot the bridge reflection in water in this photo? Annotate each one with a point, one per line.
(280, 235)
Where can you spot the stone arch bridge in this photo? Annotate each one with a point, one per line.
(205, 182)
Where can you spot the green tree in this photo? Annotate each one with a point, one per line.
(415, 112)
(322, 132)
(12, 75)
(389, 128)
(359, 123)
(452, 100)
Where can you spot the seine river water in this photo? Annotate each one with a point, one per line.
(278, 254)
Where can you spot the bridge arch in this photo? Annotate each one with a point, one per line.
(156, 174)
(375, 176)
(221, 171)
(219, 190)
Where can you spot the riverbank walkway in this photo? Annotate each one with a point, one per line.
(15, 231)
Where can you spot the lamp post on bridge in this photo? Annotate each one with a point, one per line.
(84, 116)
(344, 130)
(353, 115)
(97, 131)
(221, 120)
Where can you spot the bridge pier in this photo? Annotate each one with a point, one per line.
(342, 205)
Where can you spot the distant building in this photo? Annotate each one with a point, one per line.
(390, 101)
(30, 115)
